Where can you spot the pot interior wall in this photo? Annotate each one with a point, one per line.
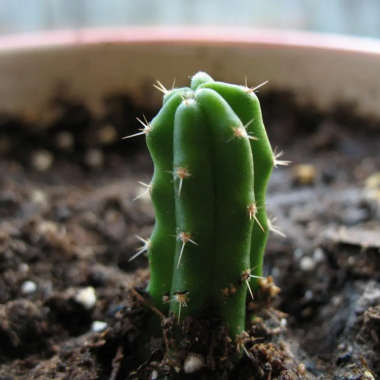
(323, 75)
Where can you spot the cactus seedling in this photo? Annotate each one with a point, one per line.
(212, 162)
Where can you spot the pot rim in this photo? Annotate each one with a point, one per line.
(191, 36)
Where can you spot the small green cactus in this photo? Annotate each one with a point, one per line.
(212, 162)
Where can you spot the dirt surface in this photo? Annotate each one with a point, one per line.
(67, 230)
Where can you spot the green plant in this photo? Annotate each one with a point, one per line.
(212, 162)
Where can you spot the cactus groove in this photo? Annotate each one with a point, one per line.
(212, 162)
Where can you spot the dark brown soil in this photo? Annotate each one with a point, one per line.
(68, 224)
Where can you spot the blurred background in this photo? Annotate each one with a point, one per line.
(351, 17)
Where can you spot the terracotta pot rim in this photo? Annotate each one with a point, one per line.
(191, 36)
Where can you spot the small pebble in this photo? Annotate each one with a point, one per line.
(107, 134)
(154, 375)
(351, 261)
(114, 310)
(353, 216)
(38, 197)
(336, 300)
(65, 140)
(42, 160)
(62, 211)
(46, 227)
(98, 326)
(23, 268)
(193, 363)
(28, 287)
(86, 297)
(309, 295)
(343, 358)
(307, 264)
(342, 346)
(275, 272)
(298, 253)
(368, 376)
(304, 174)
(318, 255)
(94, 158)
(301, 369)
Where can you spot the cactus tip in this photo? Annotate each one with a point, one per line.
(188, 101)
(188, 98)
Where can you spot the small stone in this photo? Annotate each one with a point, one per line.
(62, 211)
(28, 287)
(342, 346)
(107, 134)
(42, 160)
(94, 158)
(309, 295)
(153, 375)
(336, 300)
(112, 311)
(86, 297)
(353, 216)
(98, 326)
(367, 376)
(301, 369)
(319, 255)
(65, 140)
(23, 268)
(193, 363)
(304, 174)
(39, 199)
(372, 191)
(344, 358)
(47, 228)
(307, 264)
(298, 253)
(276, 272)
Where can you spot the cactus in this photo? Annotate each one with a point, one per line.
(212, 162)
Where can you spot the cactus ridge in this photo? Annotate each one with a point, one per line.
(212, 162)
